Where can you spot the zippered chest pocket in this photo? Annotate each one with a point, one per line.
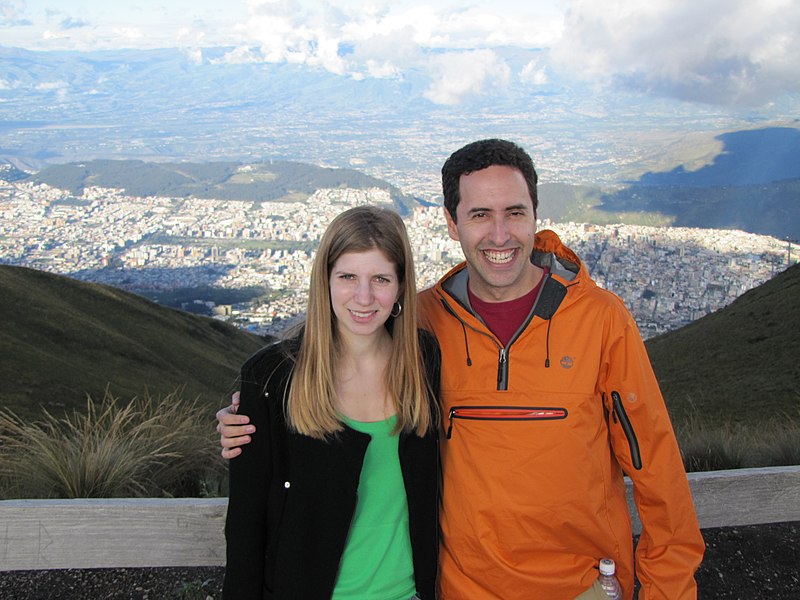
(503, 413)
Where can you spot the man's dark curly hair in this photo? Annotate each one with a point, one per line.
(479, 155)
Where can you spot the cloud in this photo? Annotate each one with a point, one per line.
(285, 32)
(70, 23)
(11, 13)
(387, 40)
(534, 73)
(128, 34)
(61, 88)
(728, 52)
(458, 75)
(482, 27)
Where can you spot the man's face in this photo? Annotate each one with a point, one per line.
(496, 227)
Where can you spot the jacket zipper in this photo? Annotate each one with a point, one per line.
(627, 428)
(504, 413)
(502, 369)
(502, 362)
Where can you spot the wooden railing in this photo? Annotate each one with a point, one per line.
(188, 532)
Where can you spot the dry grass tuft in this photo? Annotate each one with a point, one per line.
(144, 448)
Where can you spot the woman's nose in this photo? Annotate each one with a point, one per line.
(363, 293)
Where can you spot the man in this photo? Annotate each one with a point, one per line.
(548, 398)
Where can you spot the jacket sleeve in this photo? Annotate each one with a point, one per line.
(670, 547)
(250, 474)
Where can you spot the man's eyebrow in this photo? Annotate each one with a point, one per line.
(521, 206)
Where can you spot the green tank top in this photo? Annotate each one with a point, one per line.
(377, 563)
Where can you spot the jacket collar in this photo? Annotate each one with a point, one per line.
(566, 270)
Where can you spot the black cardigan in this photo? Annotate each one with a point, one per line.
(292, 497)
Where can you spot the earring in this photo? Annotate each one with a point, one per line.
(397, 308)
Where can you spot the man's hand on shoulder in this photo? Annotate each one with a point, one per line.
(233, 428)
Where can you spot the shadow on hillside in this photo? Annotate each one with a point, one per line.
(752, 185)
(748, 158)
(156, 279)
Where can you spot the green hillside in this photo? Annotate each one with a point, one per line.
(62, 338)
(739, 364)
(259, 182)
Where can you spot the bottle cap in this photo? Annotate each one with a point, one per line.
(607, 566)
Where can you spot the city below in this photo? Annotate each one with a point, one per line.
(667, 276)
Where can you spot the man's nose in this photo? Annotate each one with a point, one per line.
(499, 233)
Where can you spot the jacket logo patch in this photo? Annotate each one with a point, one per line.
(566, 362)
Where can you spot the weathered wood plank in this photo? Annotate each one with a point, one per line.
(97, 533)
(741, 497)
(188, 532)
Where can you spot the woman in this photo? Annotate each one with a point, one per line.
(337, 495)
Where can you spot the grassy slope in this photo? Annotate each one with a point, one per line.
(63, 338)
(739, 364)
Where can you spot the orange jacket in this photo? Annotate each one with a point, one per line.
(538, 436)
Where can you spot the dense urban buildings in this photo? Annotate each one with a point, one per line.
(667, 276)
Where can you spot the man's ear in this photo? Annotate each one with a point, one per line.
(452, 230)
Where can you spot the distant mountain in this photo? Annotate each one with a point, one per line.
(261, 182)
(631, 159)
(62, 339)
(748, 157)
(741, 362)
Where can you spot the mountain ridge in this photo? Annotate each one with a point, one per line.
(271, 181)
(740, 362)
(64, 339)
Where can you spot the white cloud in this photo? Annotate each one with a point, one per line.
(458, 75)
(52, 85)
(241, 55)
(487, 27)
(12, 13)
(61, 88)
(534, 72)
(381, 70)
(193, 55)
(384, 41)
(717, 51)
(128, 34)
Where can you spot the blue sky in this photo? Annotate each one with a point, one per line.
(725, 52)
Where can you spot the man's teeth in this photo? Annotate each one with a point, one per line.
(499, 257)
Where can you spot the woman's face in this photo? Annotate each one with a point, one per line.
(364, 286)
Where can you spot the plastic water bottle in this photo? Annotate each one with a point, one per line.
(608, 581)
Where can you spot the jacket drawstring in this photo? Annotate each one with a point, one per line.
(466, 342)
(547, 345)
(463, 328)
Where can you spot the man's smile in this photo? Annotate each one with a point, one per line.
(499, 257)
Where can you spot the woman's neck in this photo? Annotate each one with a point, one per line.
(361, 392)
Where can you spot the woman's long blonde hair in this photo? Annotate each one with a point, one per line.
(310, 403)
